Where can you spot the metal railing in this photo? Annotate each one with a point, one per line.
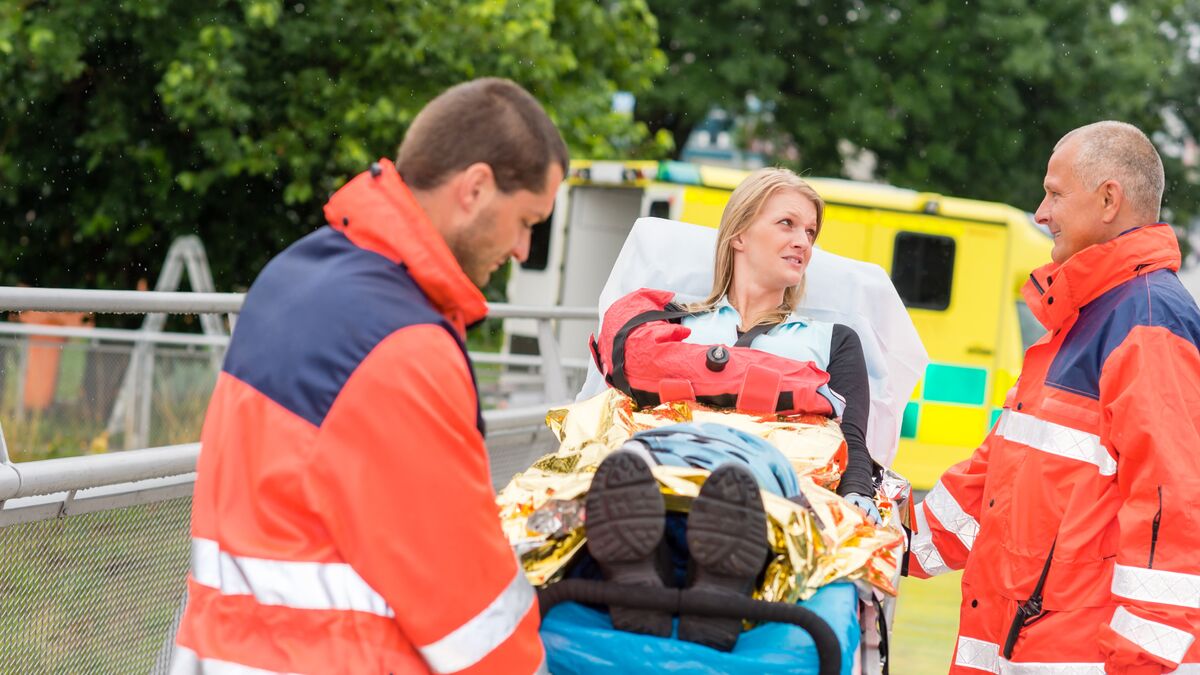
(95, 547)
(138, 359)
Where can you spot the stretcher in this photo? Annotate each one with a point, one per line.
(581, 639)
(843, 628)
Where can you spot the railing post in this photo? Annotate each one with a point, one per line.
(146, 389)
(126, 403)
(3, 447)
(22, 373)
(555, 378)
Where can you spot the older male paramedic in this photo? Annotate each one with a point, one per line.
(1076, 522)
(343, 518)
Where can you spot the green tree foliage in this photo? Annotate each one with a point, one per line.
(966, 98)
(126, 123)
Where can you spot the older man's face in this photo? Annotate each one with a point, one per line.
(1070, 210)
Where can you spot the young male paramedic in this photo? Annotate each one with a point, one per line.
(1075, 521)
(343, 516)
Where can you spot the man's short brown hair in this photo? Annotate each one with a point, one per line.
(489, 120)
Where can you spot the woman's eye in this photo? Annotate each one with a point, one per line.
(786, 222)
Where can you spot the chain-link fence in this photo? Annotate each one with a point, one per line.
(61, 397)
(93, 593)
(98, 589)
(64, 397)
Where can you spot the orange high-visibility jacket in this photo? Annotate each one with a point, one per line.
(343, 518)
(1097, 452)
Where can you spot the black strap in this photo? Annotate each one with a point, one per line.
(746, 338)
(883, 633)
(617, 378)
(1029, 611)
(592, 344)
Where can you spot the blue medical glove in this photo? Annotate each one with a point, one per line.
(866, 504)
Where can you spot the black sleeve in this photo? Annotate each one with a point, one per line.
(848, 377)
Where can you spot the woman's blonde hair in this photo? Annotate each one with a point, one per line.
(744, 205)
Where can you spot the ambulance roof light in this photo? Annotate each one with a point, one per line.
(608, 172)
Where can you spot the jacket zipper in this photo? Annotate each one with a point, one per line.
(1154, 529)
(1040, 290)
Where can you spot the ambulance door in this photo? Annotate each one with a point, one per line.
(950, 274)
(536, 281)
(663, 201)
(599, 221)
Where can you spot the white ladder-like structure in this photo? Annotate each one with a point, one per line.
(131, 410)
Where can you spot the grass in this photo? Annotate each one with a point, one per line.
(925, 625)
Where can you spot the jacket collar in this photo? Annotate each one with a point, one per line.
(378, 212)
(724, 306)
(1056, 292)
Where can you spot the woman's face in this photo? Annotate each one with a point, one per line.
(774, 250)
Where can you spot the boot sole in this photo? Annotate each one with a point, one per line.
(727, 541)
(625, 520)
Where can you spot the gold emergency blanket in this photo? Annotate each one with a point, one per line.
(542, 514)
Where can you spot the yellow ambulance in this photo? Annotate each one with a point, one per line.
(958, 264)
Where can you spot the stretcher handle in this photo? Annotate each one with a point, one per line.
(698, 602)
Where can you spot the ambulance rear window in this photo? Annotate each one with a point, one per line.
(539, 246)
(923, 269)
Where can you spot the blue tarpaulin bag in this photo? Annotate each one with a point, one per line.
(581, 639)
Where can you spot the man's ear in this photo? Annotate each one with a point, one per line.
(1114, 198)
(476, 185)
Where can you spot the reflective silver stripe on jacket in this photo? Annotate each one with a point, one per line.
(1055, 439)
(951, 515)
(923, 548)
(1018, 668)
(1161, 586)
(1159, 639)
(298, 585)
(977, 654)
(985, 656)
(471, 642)
(185, 662)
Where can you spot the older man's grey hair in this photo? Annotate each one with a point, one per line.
(1118, 151)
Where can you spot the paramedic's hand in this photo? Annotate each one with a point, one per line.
(866, 505)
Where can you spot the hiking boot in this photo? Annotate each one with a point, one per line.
(624, 523)
(727, 540)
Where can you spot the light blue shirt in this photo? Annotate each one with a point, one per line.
(797, 338)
